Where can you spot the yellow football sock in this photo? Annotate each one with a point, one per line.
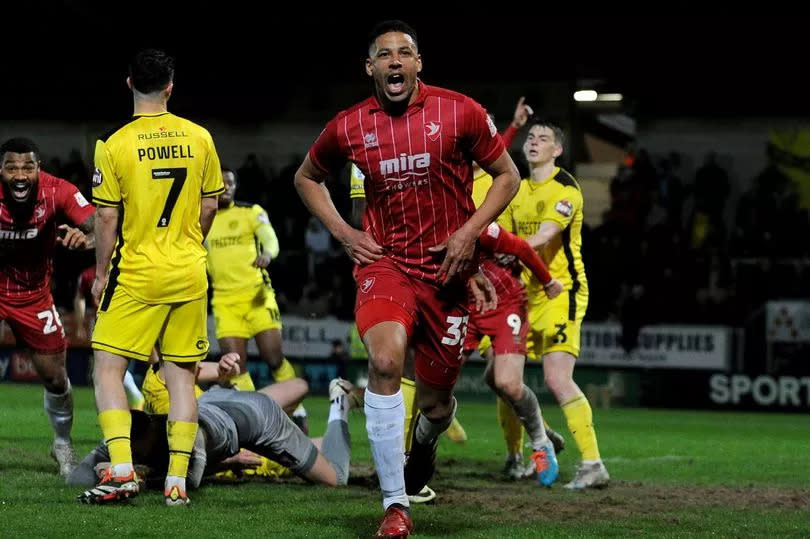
(285, 371)
(512, 427)
(181, 441)
(455, 432)
(580, 422)
(408, 388)
(243, 382)
(115, 427)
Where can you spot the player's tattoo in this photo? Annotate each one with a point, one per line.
(88, 225)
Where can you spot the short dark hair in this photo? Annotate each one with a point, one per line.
(559, 135)
(19, 145)
(390, 26)
(151, 70)
(232, 171)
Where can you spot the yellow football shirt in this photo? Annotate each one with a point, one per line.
(558, 198)
(157, 167)
(481, 185)
(232, 246)
(357, 187)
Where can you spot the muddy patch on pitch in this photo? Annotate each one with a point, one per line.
(510, 502)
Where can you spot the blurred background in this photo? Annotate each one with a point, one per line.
(689, 135)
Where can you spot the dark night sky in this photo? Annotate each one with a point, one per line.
(234, 61)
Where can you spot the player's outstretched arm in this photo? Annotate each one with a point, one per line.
(521, 116)
(73, 238)
(309, 181)
(269, 242)
(81, 237)
(545, 233)
(220, 371)
(497, 239)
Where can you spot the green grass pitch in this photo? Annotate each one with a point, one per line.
(675, 474)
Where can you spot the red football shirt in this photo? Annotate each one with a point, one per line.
(418, 169)
(27, 242)
(504, 279)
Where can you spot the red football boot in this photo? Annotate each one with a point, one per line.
(396, 522)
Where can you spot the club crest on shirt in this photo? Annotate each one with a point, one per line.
(97, 178)
(39, 213)
(370, 140)
(564, 207)
(366, 285)
(540, 207)
(233, 224)
(433, 130)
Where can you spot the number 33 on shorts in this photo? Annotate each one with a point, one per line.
(456, 331)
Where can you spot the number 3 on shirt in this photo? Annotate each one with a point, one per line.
(178, 177)
(457, 330)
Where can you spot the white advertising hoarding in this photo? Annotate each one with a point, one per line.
(662, 347)
(302, 337)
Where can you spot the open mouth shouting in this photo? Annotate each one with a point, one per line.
(395, 84)
(20, 189)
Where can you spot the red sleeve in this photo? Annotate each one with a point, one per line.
(326, 153)
(484, 142)
(509, 135)
(498, 240)
(72, 203)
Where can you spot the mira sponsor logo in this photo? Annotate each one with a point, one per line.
(161, 134)
(405, 166)
(27, 234)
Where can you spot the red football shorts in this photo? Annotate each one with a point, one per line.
(36, 325)
(507, 327)
(434, 317)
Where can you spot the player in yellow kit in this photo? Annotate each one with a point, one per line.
(240, 246)
(547, 212)
(156, 181)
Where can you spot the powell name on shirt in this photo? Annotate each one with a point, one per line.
(174, 151)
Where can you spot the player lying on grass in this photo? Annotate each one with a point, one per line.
(231, 419)
(288, 394)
